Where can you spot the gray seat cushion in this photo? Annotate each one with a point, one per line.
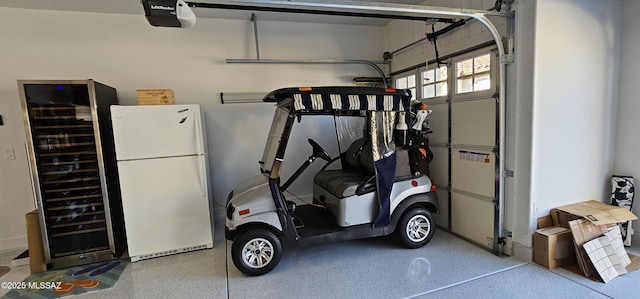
(339, 182)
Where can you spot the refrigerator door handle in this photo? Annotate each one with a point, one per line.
(199, 132)
(201, 160)
(203, 175)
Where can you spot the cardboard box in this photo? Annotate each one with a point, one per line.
(584, 231)
(553, 247)
(608, 255)
(545, 221)
(599, 250)
(155, 97)
(562, 218)
(589, 220)
(37, 261)
(594, 211)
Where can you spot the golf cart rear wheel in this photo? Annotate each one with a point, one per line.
(256, 251)
(416, 227)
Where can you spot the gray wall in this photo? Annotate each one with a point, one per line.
(627, 145)
(575, 96)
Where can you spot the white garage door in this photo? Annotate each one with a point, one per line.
(462, 95)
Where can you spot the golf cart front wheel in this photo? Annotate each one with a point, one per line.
(256, 251)
(416, 227)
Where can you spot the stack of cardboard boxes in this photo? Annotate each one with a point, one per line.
(585, 233)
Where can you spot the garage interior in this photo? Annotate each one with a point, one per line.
(568, 121)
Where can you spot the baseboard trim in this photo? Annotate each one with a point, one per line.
(522, 252)
(13, 243)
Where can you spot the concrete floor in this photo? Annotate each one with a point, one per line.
(448, 267)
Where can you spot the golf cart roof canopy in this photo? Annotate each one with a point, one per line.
(342, 98)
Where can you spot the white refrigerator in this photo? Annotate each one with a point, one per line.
(164, 179)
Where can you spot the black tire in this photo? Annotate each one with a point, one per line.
(256, 251)
(416, 227)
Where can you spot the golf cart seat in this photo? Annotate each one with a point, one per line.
(357, 169)
(341, 183)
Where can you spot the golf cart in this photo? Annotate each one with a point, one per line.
(381, 184)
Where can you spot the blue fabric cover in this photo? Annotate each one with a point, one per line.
(385, 175)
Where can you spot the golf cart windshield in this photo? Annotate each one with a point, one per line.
(273, 140)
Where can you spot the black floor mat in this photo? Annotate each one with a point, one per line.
(316, 221)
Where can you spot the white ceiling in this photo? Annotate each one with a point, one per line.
(134, 7)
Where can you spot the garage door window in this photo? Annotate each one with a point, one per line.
(473, 74)
(434, 82)
(407, 82)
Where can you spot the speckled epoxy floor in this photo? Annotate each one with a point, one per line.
(448, 267)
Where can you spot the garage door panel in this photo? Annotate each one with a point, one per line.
(472, 218)
(439, 123)
(473, 171)
(474, 122)
(439, 167)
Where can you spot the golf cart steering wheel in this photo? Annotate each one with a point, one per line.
(318, 151)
